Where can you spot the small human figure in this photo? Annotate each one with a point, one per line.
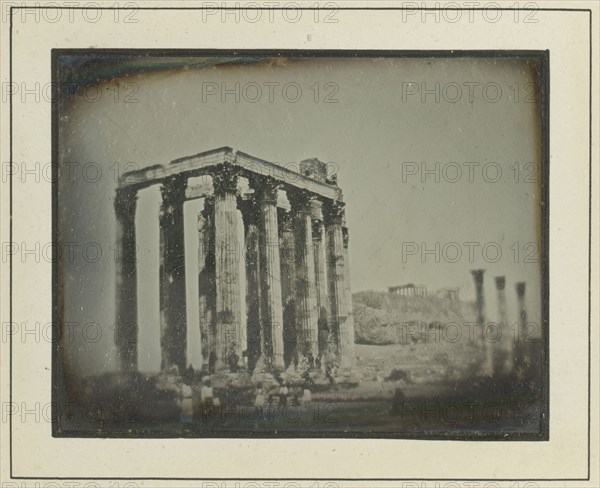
(233, 362)
(212, 361)
(308, 381)
(311, 360)
(283, 393)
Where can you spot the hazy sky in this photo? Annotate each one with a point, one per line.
(360, 115)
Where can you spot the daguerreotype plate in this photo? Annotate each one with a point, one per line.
(284, 244)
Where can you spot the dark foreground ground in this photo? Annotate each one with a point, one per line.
(436, 399)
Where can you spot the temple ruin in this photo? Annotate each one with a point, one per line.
(295, 255)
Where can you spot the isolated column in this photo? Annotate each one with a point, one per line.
(507, 342)
(174, 333)
(270, 272)
(336, 275)
(250, 216)
(126, 333)
(229, 333)
(206, 280)
(320, 276)
(523, 356)
(487, 363)
(306, 305)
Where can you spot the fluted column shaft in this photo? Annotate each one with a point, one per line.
(288, 285)
(250, 215)
(348, 290)
(320, 276)
(174, 334)
(307, 316)
(270, 271)
(206, 281)
(337, 282)
(126, 280)
(230, 336)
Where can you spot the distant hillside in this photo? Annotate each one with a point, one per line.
(379, 316)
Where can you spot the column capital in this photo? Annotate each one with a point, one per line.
(300, 200)
(478, 275)
(345, 236)
(316, 209)
(285, 221)
(317, 227)
(334, 211)
(209, 207)
(173, 190)
(500, 282)
(265, 188)
(248, 205)
(125, 202)
(225, 179)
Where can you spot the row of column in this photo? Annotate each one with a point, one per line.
(500, 358)
(296, 304)
(298, 296)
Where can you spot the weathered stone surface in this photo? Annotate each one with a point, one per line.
(230, 337)
(337, 283)
(251, 217)
(270, 271)
(297, 303)
(487, 365)
(323, 307)
(126, 279)
(174, 335)
(288, 285)
(306, 303)
(207, 281)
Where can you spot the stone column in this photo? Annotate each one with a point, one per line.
(348, 288)
(287, 248)
(337, 282)
(250, 215)
(230, 336)
(126, 334)
(320, 276)
(506, 342)
(522, 354)
(173, 330)
(270, 271)
(307, 316)
(206, 281)
(487, 366)
(520, 287)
